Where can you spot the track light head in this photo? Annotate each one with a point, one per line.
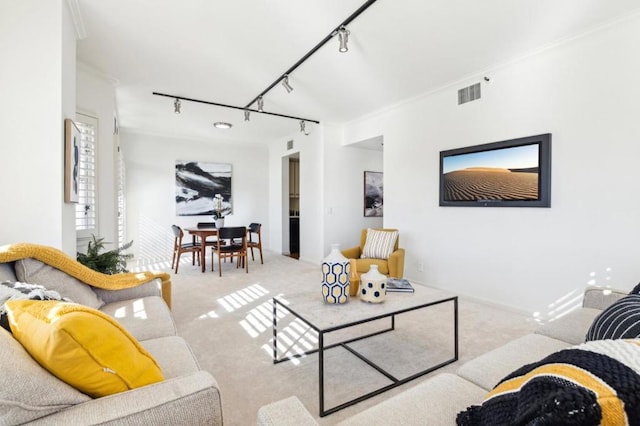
(286, 85)
(247, 113)
(176, 106)
(260, 104)
(303, 128)
(343, 37)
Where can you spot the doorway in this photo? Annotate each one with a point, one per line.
(293, 205)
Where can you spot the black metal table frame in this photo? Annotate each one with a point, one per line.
(321, 348)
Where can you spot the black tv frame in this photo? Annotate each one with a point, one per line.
(543, 142)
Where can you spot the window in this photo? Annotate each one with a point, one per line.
(120, 196)
(86, 216)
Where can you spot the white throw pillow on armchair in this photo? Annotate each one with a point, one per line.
(379, 244)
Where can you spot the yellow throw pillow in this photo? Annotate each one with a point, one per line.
(82, 346)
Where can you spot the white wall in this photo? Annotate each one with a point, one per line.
(331, 191)
(311, 193)
(150, 187)
(584, 92)
(344, 190)
(37, 82)
(96, 97)
(68, 95)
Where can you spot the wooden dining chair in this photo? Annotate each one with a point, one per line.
(255, 228)
(179, 247)
(232, 242)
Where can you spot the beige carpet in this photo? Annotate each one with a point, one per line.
(227, 322)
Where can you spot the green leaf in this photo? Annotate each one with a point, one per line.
(110, 262)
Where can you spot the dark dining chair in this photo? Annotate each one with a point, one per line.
(210, 241)
(205, 225)
(232, 242)
(179, 247)
(255, 229)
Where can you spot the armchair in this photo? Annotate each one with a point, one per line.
(391, 267)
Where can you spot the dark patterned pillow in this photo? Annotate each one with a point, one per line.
(595, 383)
(12, 290)
(636, 290)
(621, 320)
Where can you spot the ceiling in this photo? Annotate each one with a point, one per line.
(229, 51)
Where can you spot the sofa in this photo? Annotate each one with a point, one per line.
(139, 304)
(439, 399)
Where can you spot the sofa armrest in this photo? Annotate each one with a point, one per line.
(352, 253)
(192, 399)
(601, 298)
(151, 288)
(396, 264)
(63, 262)
(286, 412)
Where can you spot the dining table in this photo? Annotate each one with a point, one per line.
(203, 233)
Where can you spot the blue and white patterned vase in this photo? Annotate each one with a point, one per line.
(373, 286)
(336, 271)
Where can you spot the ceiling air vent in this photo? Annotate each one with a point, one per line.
(468, 94)
(290, 144)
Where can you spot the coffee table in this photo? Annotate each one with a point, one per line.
(309, 308)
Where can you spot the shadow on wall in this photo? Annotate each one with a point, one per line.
(155, 242)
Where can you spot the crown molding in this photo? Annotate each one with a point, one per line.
(76, 16)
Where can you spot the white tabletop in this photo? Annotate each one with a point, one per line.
(311, 307)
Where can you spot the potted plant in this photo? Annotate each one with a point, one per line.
(109, 262)
(218, 206)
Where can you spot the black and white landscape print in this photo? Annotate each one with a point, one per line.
(196, 185)
(373, 194)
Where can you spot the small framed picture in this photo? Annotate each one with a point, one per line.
(71, 160)
(373, 198)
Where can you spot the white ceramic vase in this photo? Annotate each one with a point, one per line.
(336, 270)
(373, 286)
(220, 223)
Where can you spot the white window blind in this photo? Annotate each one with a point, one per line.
(86, 216)
(121, 200)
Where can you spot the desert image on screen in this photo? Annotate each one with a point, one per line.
(501, 174)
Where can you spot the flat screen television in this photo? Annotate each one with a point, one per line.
(511, 173)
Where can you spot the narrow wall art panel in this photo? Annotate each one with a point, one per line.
(197, 183)
(71, 161)
(373, 195)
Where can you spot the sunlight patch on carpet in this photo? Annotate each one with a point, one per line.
(236, 300)
(249, 329)
(295, 341)
(210, 314)
(259, 319)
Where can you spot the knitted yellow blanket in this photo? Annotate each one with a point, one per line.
(60, 260)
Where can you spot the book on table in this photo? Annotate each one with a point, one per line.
(399, 285)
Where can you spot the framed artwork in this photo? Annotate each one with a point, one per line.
(198, 183)
(373, 195)
(71, 161)
(511, 173)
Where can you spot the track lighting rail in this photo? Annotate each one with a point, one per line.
(324, 41)
(343, 34)
(235, 107)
